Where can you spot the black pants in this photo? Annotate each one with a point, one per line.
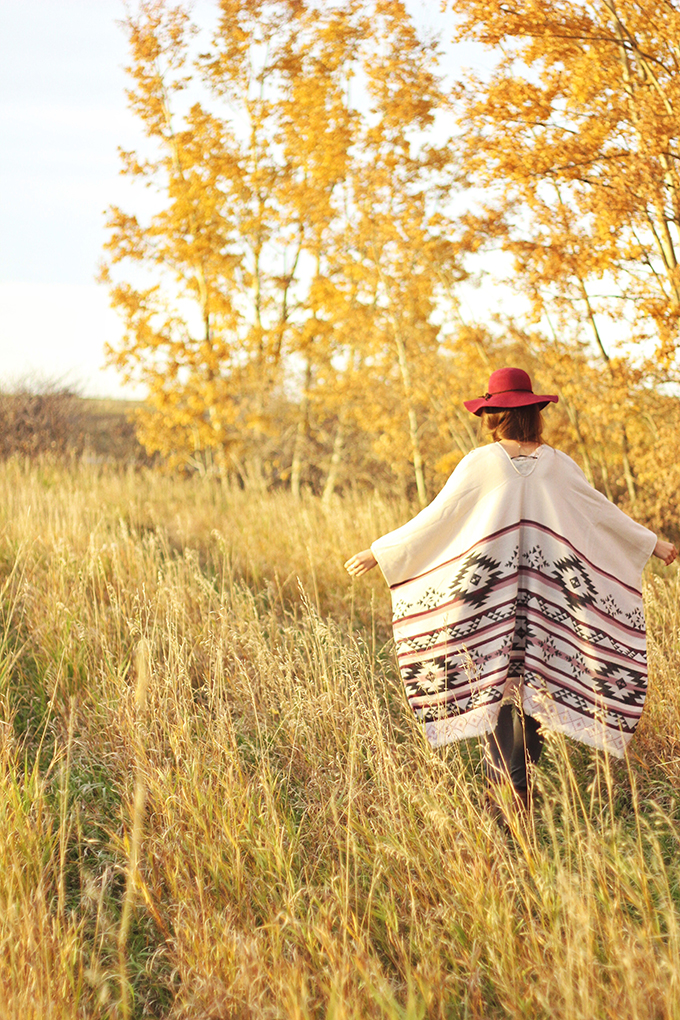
(516, 741)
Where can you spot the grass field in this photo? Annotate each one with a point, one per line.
(216, 804)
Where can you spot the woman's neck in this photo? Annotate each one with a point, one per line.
(517, 449)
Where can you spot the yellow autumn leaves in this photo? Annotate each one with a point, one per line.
(324, 188)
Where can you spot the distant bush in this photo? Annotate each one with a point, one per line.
(38, 420)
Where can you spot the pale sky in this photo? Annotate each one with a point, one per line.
(63, 114)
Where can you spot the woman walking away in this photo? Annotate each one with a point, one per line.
(517, 596)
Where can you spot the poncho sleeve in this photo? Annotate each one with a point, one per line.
(612, 538)
(412, 548)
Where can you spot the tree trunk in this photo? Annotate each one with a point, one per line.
(301, 434)
(572, 415)
(412, 419)
(604, 470)
(253, 473)
(627, 470)
(296, 466)
(334, 466)
(470, 441)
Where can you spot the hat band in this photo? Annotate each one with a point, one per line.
(487, 396)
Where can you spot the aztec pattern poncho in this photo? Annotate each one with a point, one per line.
(528, 581)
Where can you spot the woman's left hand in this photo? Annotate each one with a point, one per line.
(360, 563)
(666, 551)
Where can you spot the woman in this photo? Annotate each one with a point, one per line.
(517, 596)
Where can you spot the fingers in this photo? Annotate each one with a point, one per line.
(670, 556)
(666, 551)
(360, 563)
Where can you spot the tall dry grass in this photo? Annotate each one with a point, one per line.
(215, 804)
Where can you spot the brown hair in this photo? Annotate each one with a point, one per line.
(525, 424)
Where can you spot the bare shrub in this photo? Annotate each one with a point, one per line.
(37, 419)
(51, 419)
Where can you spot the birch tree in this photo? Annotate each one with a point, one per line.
(302, 235)
(244, 216)
(575, 135)
(402, 242)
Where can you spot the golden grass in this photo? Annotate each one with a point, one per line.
(214, 802)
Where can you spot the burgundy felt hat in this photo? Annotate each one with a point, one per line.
(508, 388)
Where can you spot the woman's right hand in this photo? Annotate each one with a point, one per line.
(666, 551)
(360, 563)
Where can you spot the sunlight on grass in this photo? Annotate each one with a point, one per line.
(265, 832)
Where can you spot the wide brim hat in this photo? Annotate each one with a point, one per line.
(508, 388)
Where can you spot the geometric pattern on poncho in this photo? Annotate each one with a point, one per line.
(524, 604)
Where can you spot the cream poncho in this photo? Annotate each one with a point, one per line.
(524, 580)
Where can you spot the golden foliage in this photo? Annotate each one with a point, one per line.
(294, 304)
(307, 227)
